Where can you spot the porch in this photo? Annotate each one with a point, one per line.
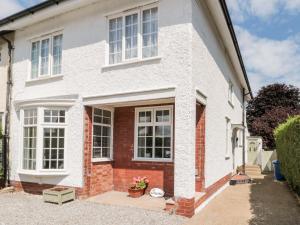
(130, 137)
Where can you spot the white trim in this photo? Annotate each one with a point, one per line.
(136, 61)
(132, 96)
(44, 102)
(201, 97)
(153, 124)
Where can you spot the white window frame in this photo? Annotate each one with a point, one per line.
(153, 124)
(50, 55)
(111, 138)
(58, 125)
(139, 10)
(40, 140)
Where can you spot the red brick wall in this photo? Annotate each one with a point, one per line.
(160, 174)
(98, 177)
(200, 147)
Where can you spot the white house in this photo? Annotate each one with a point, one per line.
(107, 90)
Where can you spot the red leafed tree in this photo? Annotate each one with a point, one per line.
(272, 105)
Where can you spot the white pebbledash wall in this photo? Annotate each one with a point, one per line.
(3, 76)
(190, 57)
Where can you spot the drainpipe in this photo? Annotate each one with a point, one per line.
(244, 133)
(6, 136)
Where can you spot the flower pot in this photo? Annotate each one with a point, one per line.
(136, 193)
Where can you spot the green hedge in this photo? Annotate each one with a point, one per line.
(287, 136)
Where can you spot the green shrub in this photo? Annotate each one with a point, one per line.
(287, 137)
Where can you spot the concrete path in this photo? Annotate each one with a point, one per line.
(265, 202)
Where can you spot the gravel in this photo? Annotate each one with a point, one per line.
(26, 209)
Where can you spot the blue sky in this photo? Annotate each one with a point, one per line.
(268, 32)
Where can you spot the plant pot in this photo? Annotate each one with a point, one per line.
(136, 193)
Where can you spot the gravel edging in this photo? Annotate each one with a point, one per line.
(21, 208)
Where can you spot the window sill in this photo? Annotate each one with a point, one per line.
(135, 61)
(43, 173)
(152, 160)
(46, 78)
(102, 160)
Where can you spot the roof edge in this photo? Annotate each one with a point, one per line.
(235, 42)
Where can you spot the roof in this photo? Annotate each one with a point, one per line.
(48, 3)
(30, 11)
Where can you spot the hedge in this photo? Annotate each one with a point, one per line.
(287, 137)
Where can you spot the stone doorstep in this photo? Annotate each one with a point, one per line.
(240, 179)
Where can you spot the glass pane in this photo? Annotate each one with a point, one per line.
(29, 147)
(150, 32)
(158, 153)
(167, 131)
(105, 152)
(131, 32)
(57, 54)
(141, 142)
(106, 131)
(148, 152)
(35, 54)
(159, 116)
(159, 131)
(141, 152)
(167, 153)
(45, 57)
(115, 40)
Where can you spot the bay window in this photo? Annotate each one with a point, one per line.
(102, 134)
(153, 133)
(44, 139)
(46, 56)
(133, 35)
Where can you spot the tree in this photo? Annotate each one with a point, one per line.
(273, 105)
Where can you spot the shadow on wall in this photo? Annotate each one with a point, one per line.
(272, 203)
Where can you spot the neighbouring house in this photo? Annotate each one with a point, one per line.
(104, 91)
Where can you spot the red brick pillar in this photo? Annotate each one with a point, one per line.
(200, 147)
(185, 207)
(87, 151)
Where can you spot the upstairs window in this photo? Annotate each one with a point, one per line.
(133, 35)
(46, 56)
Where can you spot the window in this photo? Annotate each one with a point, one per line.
(46, 56)
(228, 137)
(53, 139)
(50, 129)
(102, 134)
(29, 139)
(153, 133)
(133, 35)
(230, 92)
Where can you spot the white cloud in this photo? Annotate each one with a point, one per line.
(241, 9)
(269, 60)
(9, 7)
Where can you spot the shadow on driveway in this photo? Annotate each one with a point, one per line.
(272, 203)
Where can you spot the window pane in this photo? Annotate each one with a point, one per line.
(53, 148)
(131, 31)
(45, 57)
(115, 40)
(35, 54)
(150, 32)
(57, 54)
(29, 148)
(30, 117)
(101, 133)
(145, 117)
(54, 116)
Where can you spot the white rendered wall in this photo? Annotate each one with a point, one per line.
(211, 71)
(84, 41)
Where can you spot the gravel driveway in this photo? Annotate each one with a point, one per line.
(25, 209)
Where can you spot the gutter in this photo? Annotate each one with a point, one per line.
(235, 42)
(6, 136)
